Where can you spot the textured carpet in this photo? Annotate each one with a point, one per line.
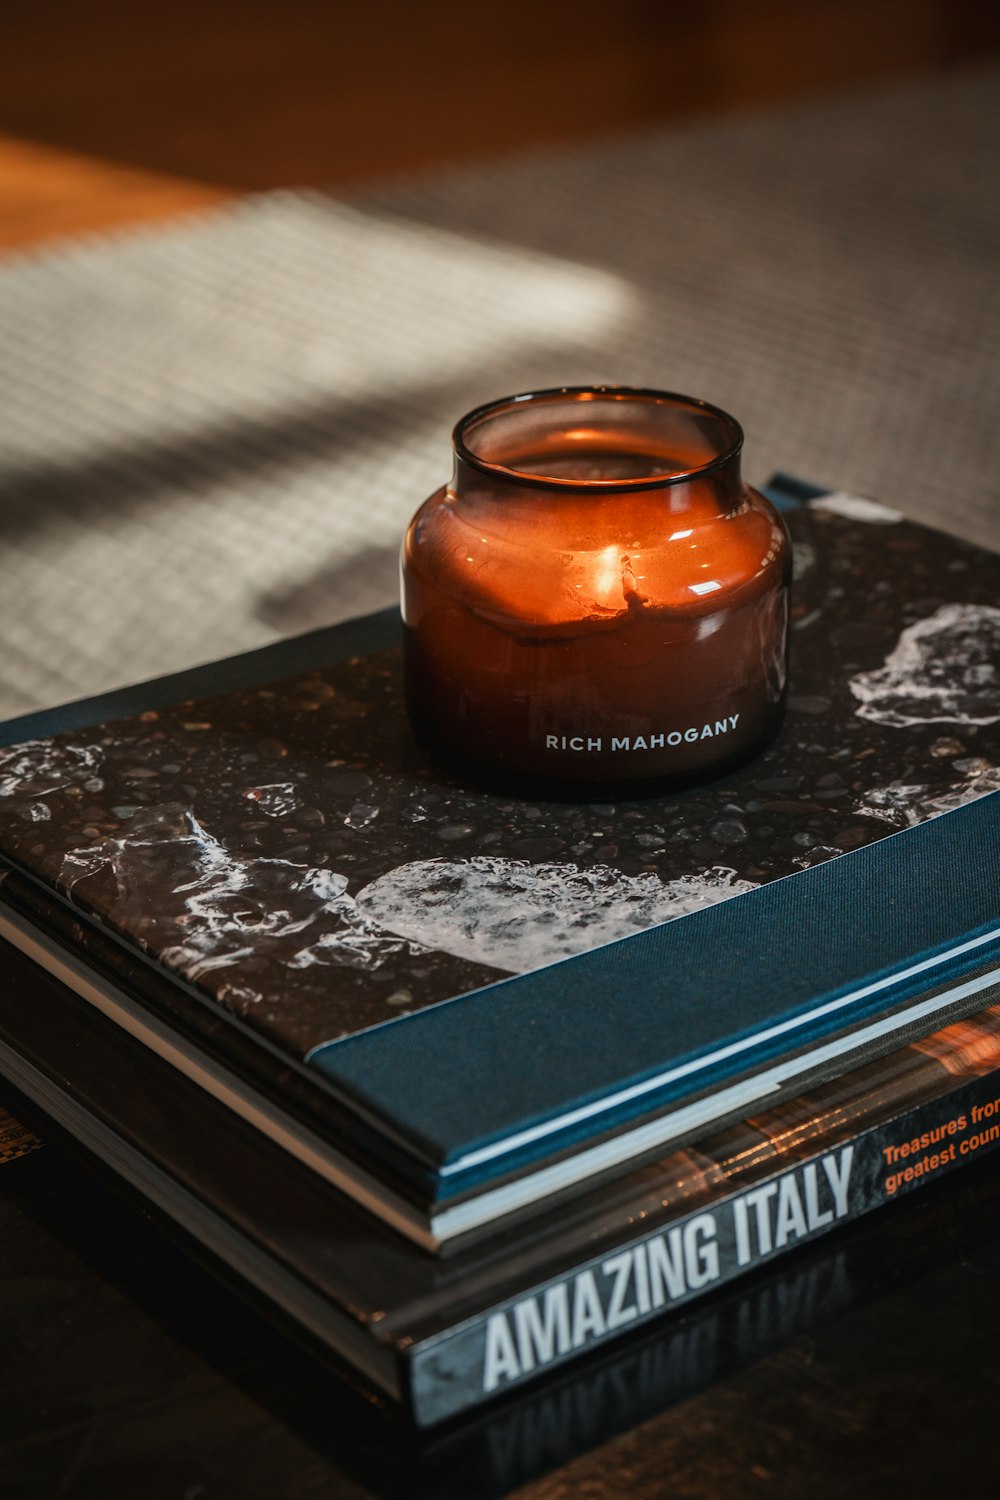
(214, 434)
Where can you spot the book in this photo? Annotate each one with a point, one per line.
(446, 1336)
(15, 1139)
(373, 964)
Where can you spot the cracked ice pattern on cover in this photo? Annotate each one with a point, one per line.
(288, 851)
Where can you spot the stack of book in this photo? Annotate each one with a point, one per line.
(468, 1084)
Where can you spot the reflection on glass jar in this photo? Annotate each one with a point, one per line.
(596, 597)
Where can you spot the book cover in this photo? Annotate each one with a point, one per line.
(443, 1337)
(302, 892)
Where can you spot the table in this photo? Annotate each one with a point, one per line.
(829, 273)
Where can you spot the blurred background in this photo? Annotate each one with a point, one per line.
(198, 99)
(255, 261)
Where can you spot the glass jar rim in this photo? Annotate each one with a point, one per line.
(637, 394)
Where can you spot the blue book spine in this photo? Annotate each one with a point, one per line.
(514, 1071)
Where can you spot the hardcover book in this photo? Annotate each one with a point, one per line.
(454, 1004)
(444, 1335)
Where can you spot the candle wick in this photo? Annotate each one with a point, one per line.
(633, 597)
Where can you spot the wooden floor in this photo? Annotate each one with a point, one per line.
(113, 112)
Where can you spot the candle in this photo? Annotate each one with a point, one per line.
(596, 597)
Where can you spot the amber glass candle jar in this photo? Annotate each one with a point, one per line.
(596, 597)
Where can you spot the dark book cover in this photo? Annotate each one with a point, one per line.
(443, 1336)
(304, 890)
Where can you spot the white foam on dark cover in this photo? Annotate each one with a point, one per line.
(858, 508)
(223, 908)
(905, 804)
(943, 670)
(517, 916)
(42, 766)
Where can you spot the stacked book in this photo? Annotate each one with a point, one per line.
(465, 1084)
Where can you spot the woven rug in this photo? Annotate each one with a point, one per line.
(213, 434)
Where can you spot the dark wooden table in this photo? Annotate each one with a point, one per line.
(868, 1365)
